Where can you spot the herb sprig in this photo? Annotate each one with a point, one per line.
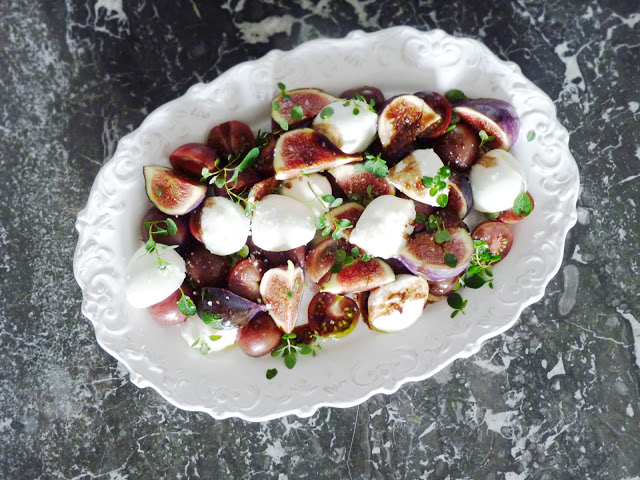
(433, 223)
(344, 258)
(455, 301)
(373, 164)
(363, 199)
(289, 349)
(154, 229)
(326, 222)
(485, 137)
(296, 112)
(437, 184)
(522, 206)
(479, 271)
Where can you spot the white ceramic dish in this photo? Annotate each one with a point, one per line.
(347, 372)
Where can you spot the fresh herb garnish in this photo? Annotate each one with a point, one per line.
(344, 258)
(186, 305)
(455, 301)
(455, 96)
(151, 246)
(326, 222)
(433, 223)
(272, 372)
(296, 113)
(450, 259)
(289, 349)
(522, 205)
(213, 320)
(370, 105)
(373, 164)
(491, 215)
(484, 137)
(438, 184)
(531, 136)
(479, 271)
(326, 112)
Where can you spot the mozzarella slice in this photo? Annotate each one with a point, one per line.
(198, 334)
(147, 281)
(281, 223)
(397, 305)
(224, 226)
(349, 132)
(384, 226)
(407, 175)
(496, 181)
(308, 189)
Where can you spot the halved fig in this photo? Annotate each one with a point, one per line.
(359, 276)
(354, 180)
(180, 238)
(296, 255)
(332, 316)
(233, 138)
(219, 304)
(191, 158)
(204, 269)
(281, 290)
(347, 211)
(259, 336)
(310, 100)
(194, 224)
(244, 279)
(262, 189)
(305, 151)
(402, 120)
(368, 93)
(442, 107)
(423, 256)
(322, 258)
(172, 192)
(496, 117)
(460, 197)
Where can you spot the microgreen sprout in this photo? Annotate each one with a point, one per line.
(213, 320)
(344, 258)
(326, 222)
(370, 105)
(485, 137)
(455, 96)
(204, 347)
(438, 184)
(186, 305)
(272, 372)
(326, 112)
(289, 349)
(433, 223)
(364, 200)
(154, 229)
(522, 205)
(479, 271)
(373, 164)
(531, 136)
(455, 301)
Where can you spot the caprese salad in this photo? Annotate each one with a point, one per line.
(359, 200)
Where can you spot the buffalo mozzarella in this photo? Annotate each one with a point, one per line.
(496, 181)
(308, 189)
(407, 175)
(224, 226)
(396, 306)
(349, 132)
(281, 223)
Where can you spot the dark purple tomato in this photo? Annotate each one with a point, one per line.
(332, 315)
(509, 216)
(304, 334)
(191, 158)
(231, 138)
(265, 159)
(368, 93)
(205, 269)
(259, 336)
(181, 237)
(498, 236)
(442, 107)
(244, 279)
(297, 255)
(458, 148)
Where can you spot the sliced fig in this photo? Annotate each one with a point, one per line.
(232, 138)
(322, 258)
(460, 197)
(368, 93)
(442, 107)
(191, 158)
(259, 336)
(347, 211)
(297, 255)
(305, 151)
(459, 148)
(244, 279)
(263, 188)
(425, 257)
(359, 277)
(354, 180)
(402, 120)
(180, 238)
(281, 290)
(332, 316)
(172, 192)
(310, 100)
(496, 117)
(204, 269)
(223, 306)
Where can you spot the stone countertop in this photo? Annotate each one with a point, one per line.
(555, 397)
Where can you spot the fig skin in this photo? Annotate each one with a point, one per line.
(244, 279)
(311, 100)
(460, 196)
(233, 138)
(166, 312)
(368, 93)
(204, 269)
(191, 158)
(180, 238)
(235, 310)
(496, 117)
(459, 148)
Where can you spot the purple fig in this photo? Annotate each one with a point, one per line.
(172, 192)
(496, 117)
(308, 103)
(225, 308)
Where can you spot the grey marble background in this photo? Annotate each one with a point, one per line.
(556, 397)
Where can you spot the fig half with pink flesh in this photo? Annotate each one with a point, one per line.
(262, 189)
(354, 180)
(347, 211)
(402, 120)
(359, 277)
(305, 151)
(281, 291)
(310, 100)
(496, 117)
(172, 192)
(244, 279)
(423, 256)
(460, 198)
(322, 258)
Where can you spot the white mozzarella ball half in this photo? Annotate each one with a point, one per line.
(496, 181)
(397, 305)
(281, 223)
(308, 189)
(199, 335)
(384, 226)
(224, 226)
(407, 175)
(148, 281)
(348, 131)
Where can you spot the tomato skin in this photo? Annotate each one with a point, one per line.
(498, 236)
(510, 217)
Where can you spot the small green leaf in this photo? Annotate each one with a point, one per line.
(344, 223)
(474, 281)
(349, 261)
(186, 306)
(442, 236)
(522, 205)
(531, 136)
(290, 360)
(215, 338)
(484, 137)
(355, 252)
(212, 319)
(296, 285)
(328, 198)
(288, 292)
(455, 96)
(150, 246)
(297, 113)
(450, 259)
(289, 336)
(336, 268)
(442, 199)
(244, 251)
(326, 112)
(281, 87)
(366, 257)
(327, 230)
(455, 301)
(158, 192)
(219, 181)
(340, 255)
(272, 372)
(491, 216)
(204, 349)
(450, 127)
(275, 105)
(336, 203)
(321, 221)
(249, 160)
(369, 190)
(427, 181)
(172, 228)
(356, 111)
(304, 349)
(283, 124)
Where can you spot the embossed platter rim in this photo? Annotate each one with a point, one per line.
(347, 372)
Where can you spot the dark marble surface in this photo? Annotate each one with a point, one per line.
(555, 397)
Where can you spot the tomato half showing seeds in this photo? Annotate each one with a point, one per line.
(498, 236)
